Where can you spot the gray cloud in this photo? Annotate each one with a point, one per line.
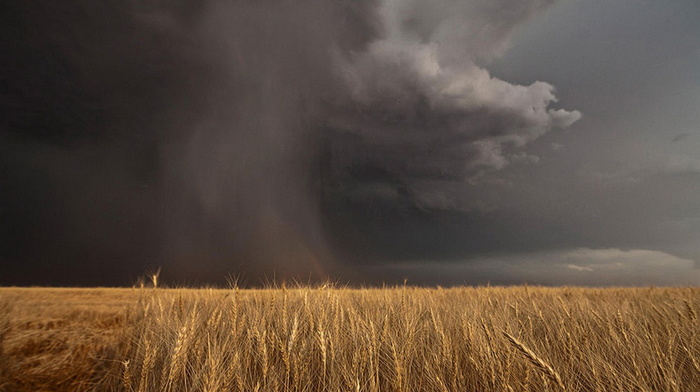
(681, 137)
(580, 266)
(420, 107)
(463, 30)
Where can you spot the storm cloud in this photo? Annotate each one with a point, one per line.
(311, 139)
(420, 109)
(180, 134)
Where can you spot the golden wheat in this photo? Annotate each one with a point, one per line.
(338, 339)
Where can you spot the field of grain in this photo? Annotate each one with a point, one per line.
(340, 339)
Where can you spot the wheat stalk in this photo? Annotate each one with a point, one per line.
(177, 359)
(691, 312)
(148, 362)
(126, 376)
(535, 360)
(324, 355)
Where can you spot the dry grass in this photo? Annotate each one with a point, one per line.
(335, 339)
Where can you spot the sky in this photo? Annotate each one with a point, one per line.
(447, 142)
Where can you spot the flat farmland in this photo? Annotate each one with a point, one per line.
(342, 339)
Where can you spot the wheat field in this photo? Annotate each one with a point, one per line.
(342, 339)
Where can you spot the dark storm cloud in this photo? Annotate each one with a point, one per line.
(88, 93)
(256, 138)
(144, 133)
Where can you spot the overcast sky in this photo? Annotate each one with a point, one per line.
(443, 142)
